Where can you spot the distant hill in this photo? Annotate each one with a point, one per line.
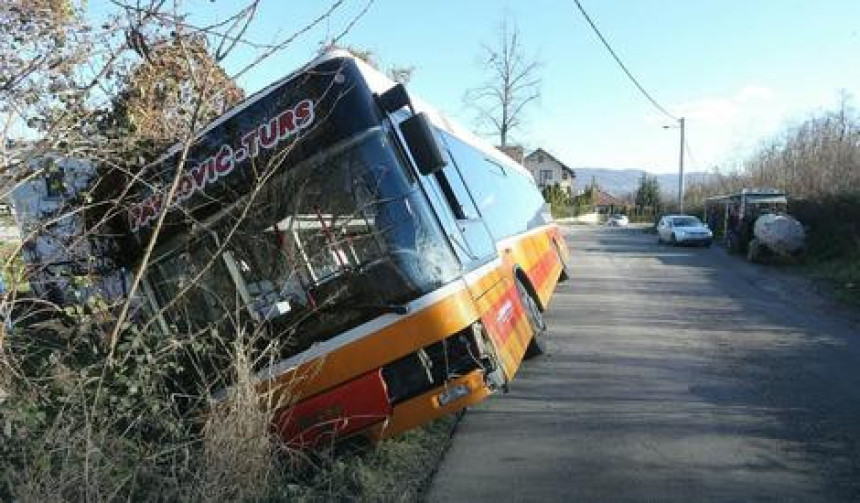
(619, 182)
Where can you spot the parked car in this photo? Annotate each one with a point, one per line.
(683, 229)
(617, 221)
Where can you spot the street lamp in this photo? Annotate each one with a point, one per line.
(680, 165)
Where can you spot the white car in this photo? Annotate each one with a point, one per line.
(683, 229)
(617, 221)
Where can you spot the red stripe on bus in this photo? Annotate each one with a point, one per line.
(335, 413)
(501, 319)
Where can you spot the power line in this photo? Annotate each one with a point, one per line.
(621, 64)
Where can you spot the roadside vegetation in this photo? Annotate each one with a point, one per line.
(817, 162)
(75, 429)
(833, 242)
(94, 406)
(564, 206)
(641, 207)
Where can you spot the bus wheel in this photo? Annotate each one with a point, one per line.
(536, 346)
(565, 272)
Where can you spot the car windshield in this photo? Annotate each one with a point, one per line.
(686, 222)
(327, 245)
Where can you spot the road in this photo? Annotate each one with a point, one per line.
(673, 374)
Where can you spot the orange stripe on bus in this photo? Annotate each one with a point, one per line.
(482, 299)
(423, 328)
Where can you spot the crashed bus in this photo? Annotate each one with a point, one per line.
(394, 264)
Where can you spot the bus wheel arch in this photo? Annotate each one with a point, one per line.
(521, 276)
(490, 361)
(565, 270)
(533, 311)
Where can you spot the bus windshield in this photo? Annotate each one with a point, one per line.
(315, 250)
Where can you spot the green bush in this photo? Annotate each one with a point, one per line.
(832, 223)
(833, 240)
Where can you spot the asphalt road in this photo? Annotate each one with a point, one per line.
(673, 374)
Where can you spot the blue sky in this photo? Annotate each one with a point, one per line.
(737, 69)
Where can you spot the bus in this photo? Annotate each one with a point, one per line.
(392, 265)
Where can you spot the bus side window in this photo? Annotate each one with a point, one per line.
(506, 198)
(455, 192)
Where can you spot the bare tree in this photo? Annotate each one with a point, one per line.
(512, 84)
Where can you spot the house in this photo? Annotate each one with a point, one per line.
(548, 170)
(607, 204)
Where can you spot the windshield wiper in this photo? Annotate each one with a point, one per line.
(385, 308)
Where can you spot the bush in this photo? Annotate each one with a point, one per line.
(78, 425)
(833, 240)
(832, 223)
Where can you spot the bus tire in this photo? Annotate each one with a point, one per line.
(536, 322)
(565, 272)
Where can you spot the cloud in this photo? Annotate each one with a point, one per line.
(726, 110)
(721, 127)
(753, 93)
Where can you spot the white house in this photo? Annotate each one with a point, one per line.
(548, 171)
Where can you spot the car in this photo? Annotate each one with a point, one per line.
(683, 229)
(617, 221)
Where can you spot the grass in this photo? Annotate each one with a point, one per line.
(833, 241)
(398, 469)
(843, 273)
(72, 429)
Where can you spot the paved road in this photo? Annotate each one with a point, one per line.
(673, 375)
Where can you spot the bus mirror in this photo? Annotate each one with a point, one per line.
(394, 99)
(422, 144)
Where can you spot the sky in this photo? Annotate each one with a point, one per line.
(738, 70)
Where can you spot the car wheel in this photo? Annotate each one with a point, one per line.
(708, 243)
(536, 322)
(674, 240)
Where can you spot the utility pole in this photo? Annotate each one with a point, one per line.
(681, 169)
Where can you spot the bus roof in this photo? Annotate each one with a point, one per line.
(378, 82)
(250, 100)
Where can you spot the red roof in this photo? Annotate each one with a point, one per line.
(606, 199)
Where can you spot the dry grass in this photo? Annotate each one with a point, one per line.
(58, 443)
(238, 450)
(395, 470)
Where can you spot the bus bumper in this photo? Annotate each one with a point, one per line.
(457, 393)
(362, 407)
